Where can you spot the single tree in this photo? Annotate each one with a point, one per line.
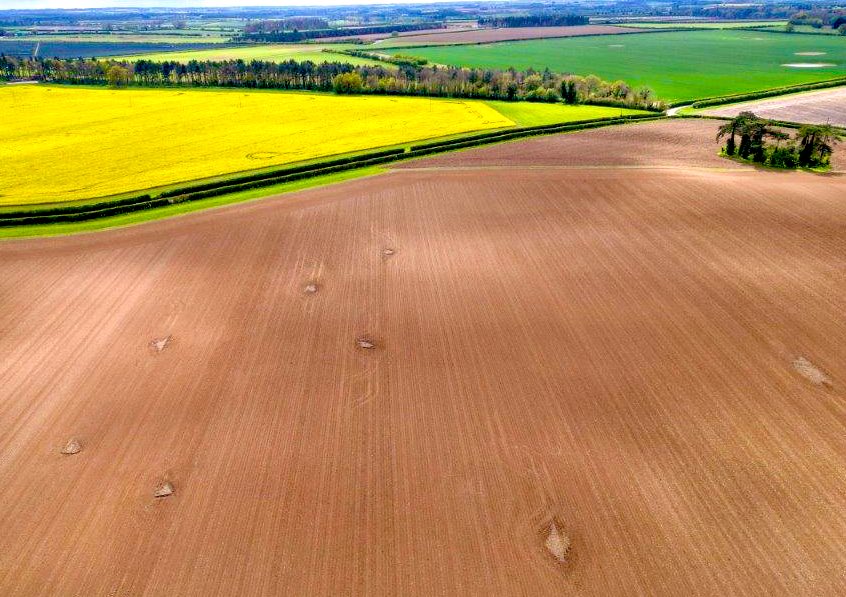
(118, 76)
(730, 130)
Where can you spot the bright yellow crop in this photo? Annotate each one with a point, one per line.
(65, 144)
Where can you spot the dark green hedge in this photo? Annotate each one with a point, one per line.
(279, 172)
(73, 209)
(742, 97)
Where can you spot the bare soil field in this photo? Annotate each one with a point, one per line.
(815, 107)
(536, 380)
(478, 36)
(404, 34)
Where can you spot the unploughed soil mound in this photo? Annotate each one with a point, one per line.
(580, 381)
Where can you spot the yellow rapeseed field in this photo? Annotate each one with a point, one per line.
(65, 144)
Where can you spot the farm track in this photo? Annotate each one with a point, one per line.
(419, 384)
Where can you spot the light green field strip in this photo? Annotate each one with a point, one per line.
(537, 114)
(271, 53)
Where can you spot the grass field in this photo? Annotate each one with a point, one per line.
(274, 53)
(62, 144)
(536, 114)
(681, 65)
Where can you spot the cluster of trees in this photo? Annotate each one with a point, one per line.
(547, 19)
(398, 59)
(760, 142)
(819, 18)
(297, 35)
(287, 24)
(341, 77)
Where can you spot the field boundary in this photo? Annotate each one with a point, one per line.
(146, 201)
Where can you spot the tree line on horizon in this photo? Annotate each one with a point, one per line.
(763, 143)
(433, 81)
(543, 19)
(282, 35)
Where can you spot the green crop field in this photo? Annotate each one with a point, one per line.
(273, 53)
(537, 114)
(681, 65)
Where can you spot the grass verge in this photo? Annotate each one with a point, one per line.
(177, 209)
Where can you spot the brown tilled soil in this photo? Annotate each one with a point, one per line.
(375, 36)
(819, 107)
(650, 144)
(477, 36)
(577, 381)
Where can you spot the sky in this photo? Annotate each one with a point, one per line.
(9, 4)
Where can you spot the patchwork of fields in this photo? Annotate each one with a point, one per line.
(65, 143)
(49, 48)
(270, 52)
(683, 65)
(475, 36)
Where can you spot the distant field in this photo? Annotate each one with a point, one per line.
(273, 53)
(146, 37)
(681, 65)
(536, 114)
(475, 36)
(706, 25)
(64, 144)
(92, 49)
(817, 107)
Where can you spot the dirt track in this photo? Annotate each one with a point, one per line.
(645, 364)
(817, 107)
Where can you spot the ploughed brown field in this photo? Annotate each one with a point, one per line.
(477, 36)
(375, 36)
(818, 107)
(605, 369)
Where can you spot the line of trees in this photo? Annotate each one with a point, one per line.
(297, 35)
(762, 143)
(286, 24)
(433, 80)
(547, 19)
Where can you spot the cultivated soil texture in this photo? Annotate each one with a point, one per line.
(593, 372)
(477, 36)
(377, 36)
(817, 107)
